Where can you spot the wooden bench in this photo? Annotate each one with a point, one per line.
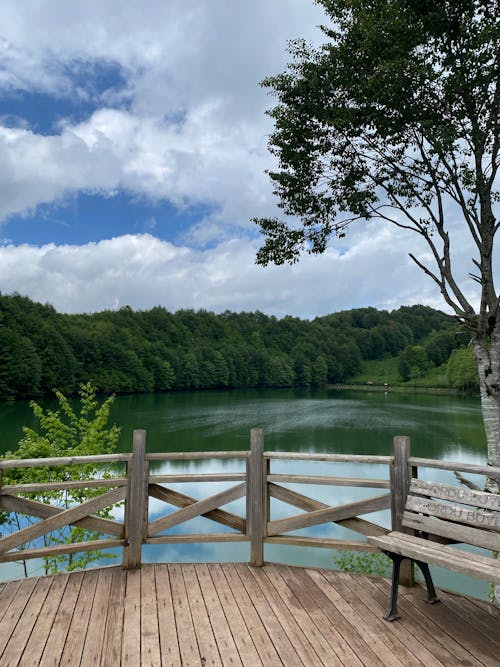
(436, 515)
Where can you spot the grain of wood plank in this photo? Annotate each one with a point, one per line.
(403, 641)
(370, 635)
(41, 630)
(411, 602)
(94, 639)
(12, 649)
(10, 593)
(207, 644)
(150, 636)
(349, 634)
(312, 616)
(188, 644)
(75, 640)
(308, 642)
(112, 644)
(467, 609)
(227, 649)
(131, 645)
(417, 625)
(234, 619)
(169, 642)
(59, 630)
(256, 626)
(275, 630)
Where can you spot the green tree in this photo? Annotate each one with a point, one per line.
(461, 370)
(66, 432)
(396, 118)
(413, 362)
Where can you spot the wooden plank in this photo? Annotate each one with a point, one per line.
(59, 630)
(224, 639)
(135, 506)
(196, 537)
(94, 640)
(9, 593)
(400, 481)
(472, 517)
(489, 471)
(15, 607)
(257, 626)
(345, 636)
(256, 494)
(112, 643)
(289, 622)
(207, 645)
(320, 542)
(232, 614)
(60, 549)
(75, 640)
(150, 635)
(310, 614)
(180, 500)
(370, 634)
(276, 634)
(63, 486)
(61, 519)
(13, 644)
(465, 534)
(131, 643)
(188, 645)
(399, 640)
(458, 494)
(169, 642)
(183, 456)
(178, 478)
(196, 509)
(41, 630)
(43, 511)
(316, 517)
(63, 461)
(337, 458)
(329, 481)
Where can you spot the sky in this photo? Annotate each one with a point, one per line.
(133, 150)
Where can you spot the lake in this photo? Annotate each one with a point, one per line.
(330, 420)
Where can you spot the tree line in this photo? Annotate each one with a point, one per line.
(126, 351)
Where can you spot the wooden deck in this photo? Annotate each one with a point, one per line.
(233, 614)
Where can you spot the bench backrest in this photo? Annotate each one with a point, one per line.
(455, 513)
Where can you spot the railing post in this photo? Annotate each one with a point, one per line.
(257, 502)
(136, 503)
(400, 487)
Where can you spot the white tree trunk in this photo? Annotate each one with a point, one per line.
(488, 361)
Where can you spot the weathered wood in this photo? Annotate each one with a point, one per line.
(135, 504)
(455, 493)
(203, 477)
(464, 534)
(60, 550)
(400, 486)
(196, 537)
(42, 511)
(356, 524)
(63, 518)
(316, 517)
(490, 471)
(336, 458)
(320, 542)
(256, 497)
(180, 500)
(191, 456)
(329, 481)
(63, 486)
(196, 509)
(458, 515)
(169, 640)
(64, 461)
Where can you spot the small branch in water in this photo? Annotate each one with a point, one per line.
(466, 482)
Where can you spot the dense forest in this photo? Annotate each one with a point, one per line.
(126, 351)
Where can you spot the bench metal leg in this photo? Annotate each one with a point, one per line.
(392, 612)
(432, 598)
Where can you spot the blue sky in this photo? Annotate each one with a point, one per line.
(133, 155)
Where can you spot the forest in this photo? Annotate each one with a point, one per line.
(126, 351)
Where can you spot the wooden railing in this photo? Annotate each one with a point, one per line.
(258, 484)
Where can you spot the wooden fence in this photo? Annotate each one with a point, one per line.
(257, 483)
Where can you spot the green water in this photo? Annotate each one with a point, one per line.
(332, 421)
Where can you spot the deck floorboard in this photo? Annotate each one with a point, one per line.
(178, 615)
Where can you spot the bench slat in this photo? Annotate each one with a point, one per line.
(453, 531)
(480, 518)
(457, 494)
(471, 564)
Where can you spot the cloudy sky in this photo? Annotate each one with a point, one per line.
(132, 156)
